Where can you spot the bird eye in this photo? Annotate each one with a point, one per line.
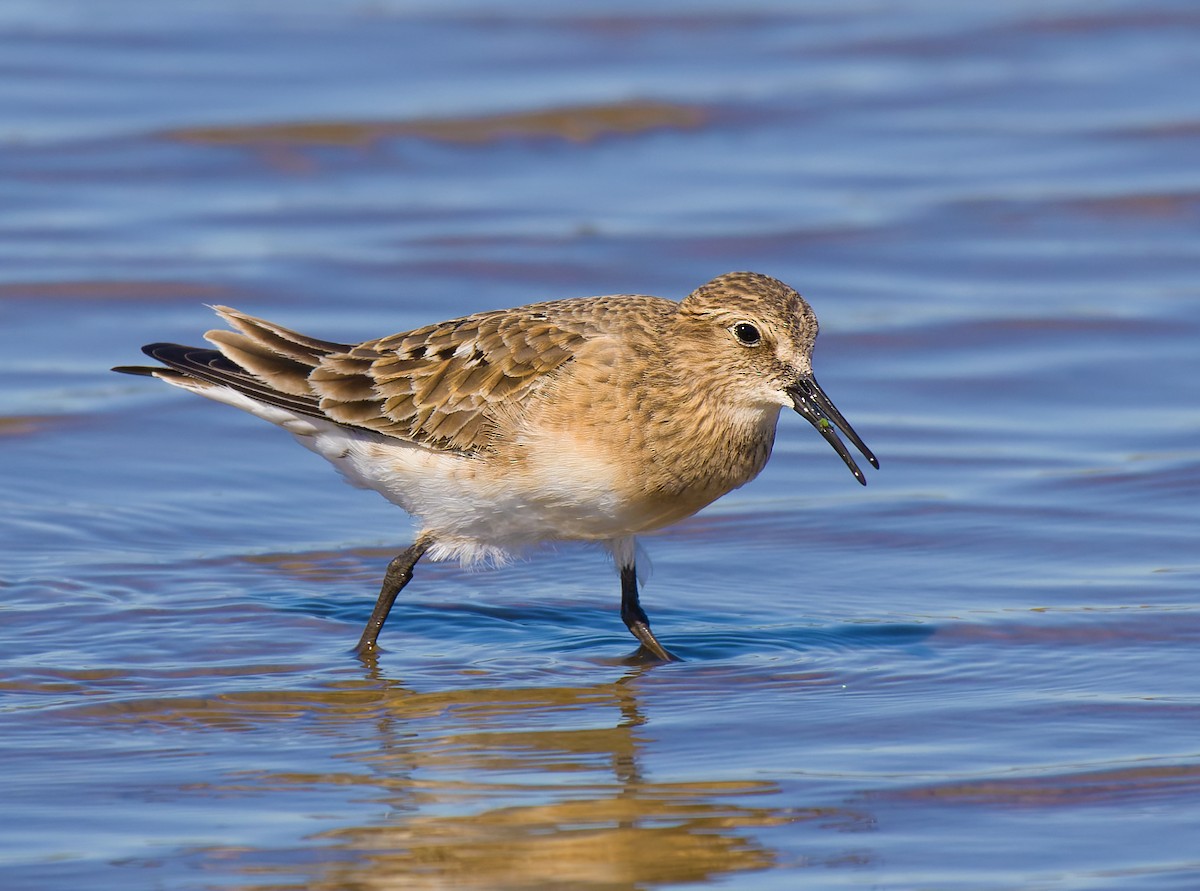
(746, 334)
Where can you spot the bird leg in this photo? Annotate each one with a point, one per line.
(635, 617)
(399, 573)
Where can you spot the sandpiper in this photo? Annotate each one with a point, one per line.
(586, 419)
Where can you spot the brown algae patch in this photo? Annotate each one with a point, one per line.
(571, 123)
(1118, 785)
(26, 425)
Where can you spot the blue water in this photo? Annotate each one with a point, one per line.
(979, 672)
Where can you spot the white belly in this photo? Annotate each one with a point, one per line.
(476, 509)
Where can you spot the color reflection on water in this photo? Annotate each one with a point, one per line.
(503, 797)
(976, 673)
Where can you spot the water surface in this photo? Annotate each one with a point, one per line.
(977, 673)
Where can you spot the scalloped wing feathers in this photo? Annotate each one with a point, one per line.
(441, 386)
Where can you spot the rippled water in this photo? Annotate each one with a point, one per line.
(977, 673)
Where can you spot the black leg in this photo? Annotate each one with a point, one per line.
(635, 617)
(399, 573)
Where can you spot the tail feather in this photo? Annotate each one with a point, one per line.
(259, 359)
(144, 370)
(282, 341)
(281, 371)
(191, 365)
(282, 358)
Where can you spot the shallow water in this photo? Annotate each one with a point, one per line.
(977, 673)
